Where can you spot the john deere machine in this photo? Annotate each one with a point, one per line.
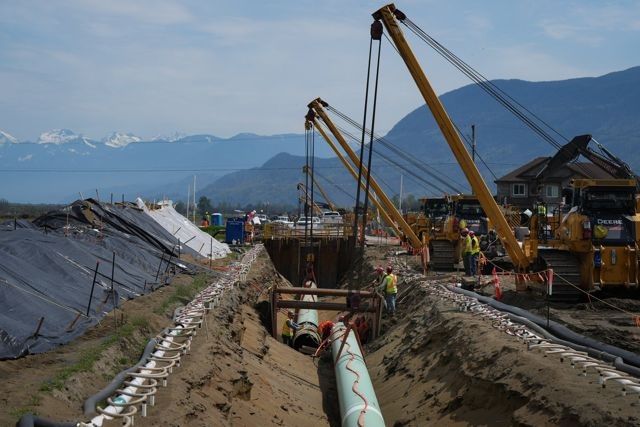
(440, 222)
(596, 242)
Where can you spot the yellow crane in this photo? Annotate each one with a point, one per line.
(307, 170)
(521, 257)
(595, 260)
(386, 207)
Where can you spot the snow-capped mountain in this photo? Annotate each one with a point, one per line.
(62, 136)
(117, 139)
(176, 136)
(6, 138)
(83, 165)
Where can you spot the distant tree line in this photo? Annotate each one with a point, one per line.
(10, 210)
(228, 209)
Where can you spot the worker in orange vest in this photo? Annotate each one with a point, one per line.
(325, 329)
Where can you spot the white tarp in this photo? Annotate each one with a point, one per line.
(183, 229)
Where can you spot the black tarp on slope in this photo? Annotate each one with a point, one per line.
(47, 270)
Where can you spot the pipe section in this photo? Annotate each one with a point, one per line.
(610, 368)
(30, 420)
(358, 402)
(555, 328)
(307, 335)
(89, 406)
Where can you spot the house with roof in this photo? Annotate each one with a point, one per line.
(521, 189)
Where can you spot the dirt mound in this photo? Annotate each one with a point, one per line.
(432, 365)
(437, 365)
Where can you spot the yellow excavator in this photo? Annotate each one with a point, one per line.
(581, 259)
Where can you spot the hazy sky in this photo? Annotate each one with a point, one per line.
(155, 67)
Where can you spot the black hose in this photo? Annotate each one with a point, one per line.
(89, 406)
(628, 361)
(30, 420)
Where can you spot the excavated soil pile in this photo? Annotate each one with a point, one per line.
(433, 365)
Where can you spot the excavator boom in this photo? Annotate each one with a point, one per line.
(579, 146)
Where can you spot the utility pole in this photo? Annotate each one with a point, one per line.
(194, 199)
(400, 201)
(473, 143)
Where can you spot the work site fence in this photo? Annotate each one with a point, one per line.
(322, 230)
(134, 390)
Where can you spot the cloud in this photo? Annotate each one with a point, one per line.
(589, 24)
(530, 62)
(158, 12)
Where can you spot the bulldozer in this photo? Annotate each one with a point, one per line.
(440, 222)
(595, 244)
(594, 241)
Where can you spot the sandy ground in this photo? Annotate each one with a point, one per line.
(433, 365)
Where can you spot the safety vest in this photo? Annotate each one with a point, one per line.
(542, 210)
(286, 330)
(467, 244)
(475, 245)
(392, 283)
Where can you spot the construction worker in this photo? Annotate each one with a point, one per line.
(325, 329)
(475, 253)
(466, 250)
(289, 327)
(541, 209)
(390, 288)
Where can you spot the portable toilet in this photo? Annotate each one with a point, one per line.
(235, 230)
(216, 219)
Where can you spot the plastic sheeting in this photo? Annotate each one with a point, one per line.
(188, 233)
(47, 269)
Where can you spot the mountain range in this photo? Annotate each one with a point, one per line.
(61, 165)
(247, 168)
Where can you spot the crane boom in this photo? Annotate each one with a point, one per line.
(387, 206)
(389, 16)
(353, 173)
(306, 197)
(307, 170)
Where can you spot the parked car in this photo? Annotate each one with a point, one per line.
(331, 217)
(282, 220)
(305, 221)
